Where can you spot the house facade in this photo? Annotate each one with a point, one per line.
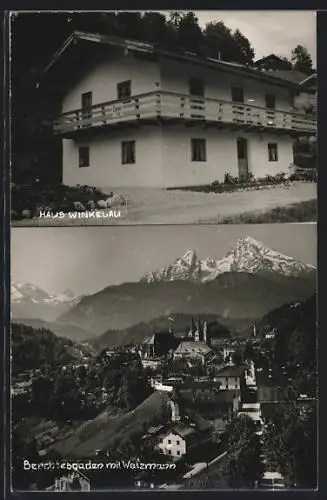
(182, 439)
(193, 350)
(137, 116)
(74, 481)
(229, 378)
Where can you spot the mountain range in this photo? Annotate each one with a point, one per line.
(230, 295)
(30, 301)
(248, 255)
(246, 284)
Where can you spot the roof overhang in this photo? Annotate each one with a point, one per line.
(309, 81)
(81, 38)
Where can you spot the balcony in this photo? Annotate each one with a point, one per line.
(166, 107)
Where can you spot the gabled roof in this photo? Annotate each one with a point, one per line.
(156, 336)
(183, 430)
(309, 80)
(190, 347)
(268, 58)
(128, 45)
(289, 75)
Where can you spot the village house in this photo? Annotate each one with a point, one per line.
(194, 350)
(19, 388)
(272, 62)
(180, 436)
(74, 481)
(229, 378)
(160, 344)
(154, 364)
(134, 115)
(227, 404)
(216, 406)
(253, 411)
(180, 439)
(22, 383)
(305, 404)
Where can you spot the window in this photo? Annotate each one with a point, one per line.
(169, 451)
(237, 94)
(124, 89)
(272, 152)
(84, 156)
(196, 86)
(177, 442)
(178, 453)
(128, 152)
(198, 150)
(270, 101)
(169, 441)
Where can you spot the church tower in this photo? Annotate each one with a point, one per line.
(175, 415)
(205, 331)
(198, 333)
(192, 330)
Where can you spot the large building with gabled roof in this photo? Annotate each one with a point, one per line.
(135, 115)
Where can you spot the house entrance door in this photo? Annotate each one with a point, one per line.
(242, 157)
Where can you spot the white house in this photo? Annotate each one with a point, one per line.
(180, 439)
(229, 378)
(134, 115)
(252, 410)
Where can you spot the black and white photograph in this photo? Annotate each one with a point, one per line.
(163, 117)
(164, 357)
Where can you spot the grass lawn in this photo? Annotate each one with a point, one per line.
(304, 211)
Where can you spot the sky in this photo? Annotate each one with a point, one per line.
(87, 259)
(270, 32)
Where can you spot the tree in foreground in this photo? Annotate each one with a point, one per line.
(301, 60)
(290, 442)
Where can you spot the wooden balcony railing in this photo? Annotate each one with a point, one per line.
(170, 106)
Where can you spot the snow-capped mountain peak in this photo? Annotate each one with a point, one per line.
(30, 301)
(247, 255)
(189, 257)
(24, 292)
